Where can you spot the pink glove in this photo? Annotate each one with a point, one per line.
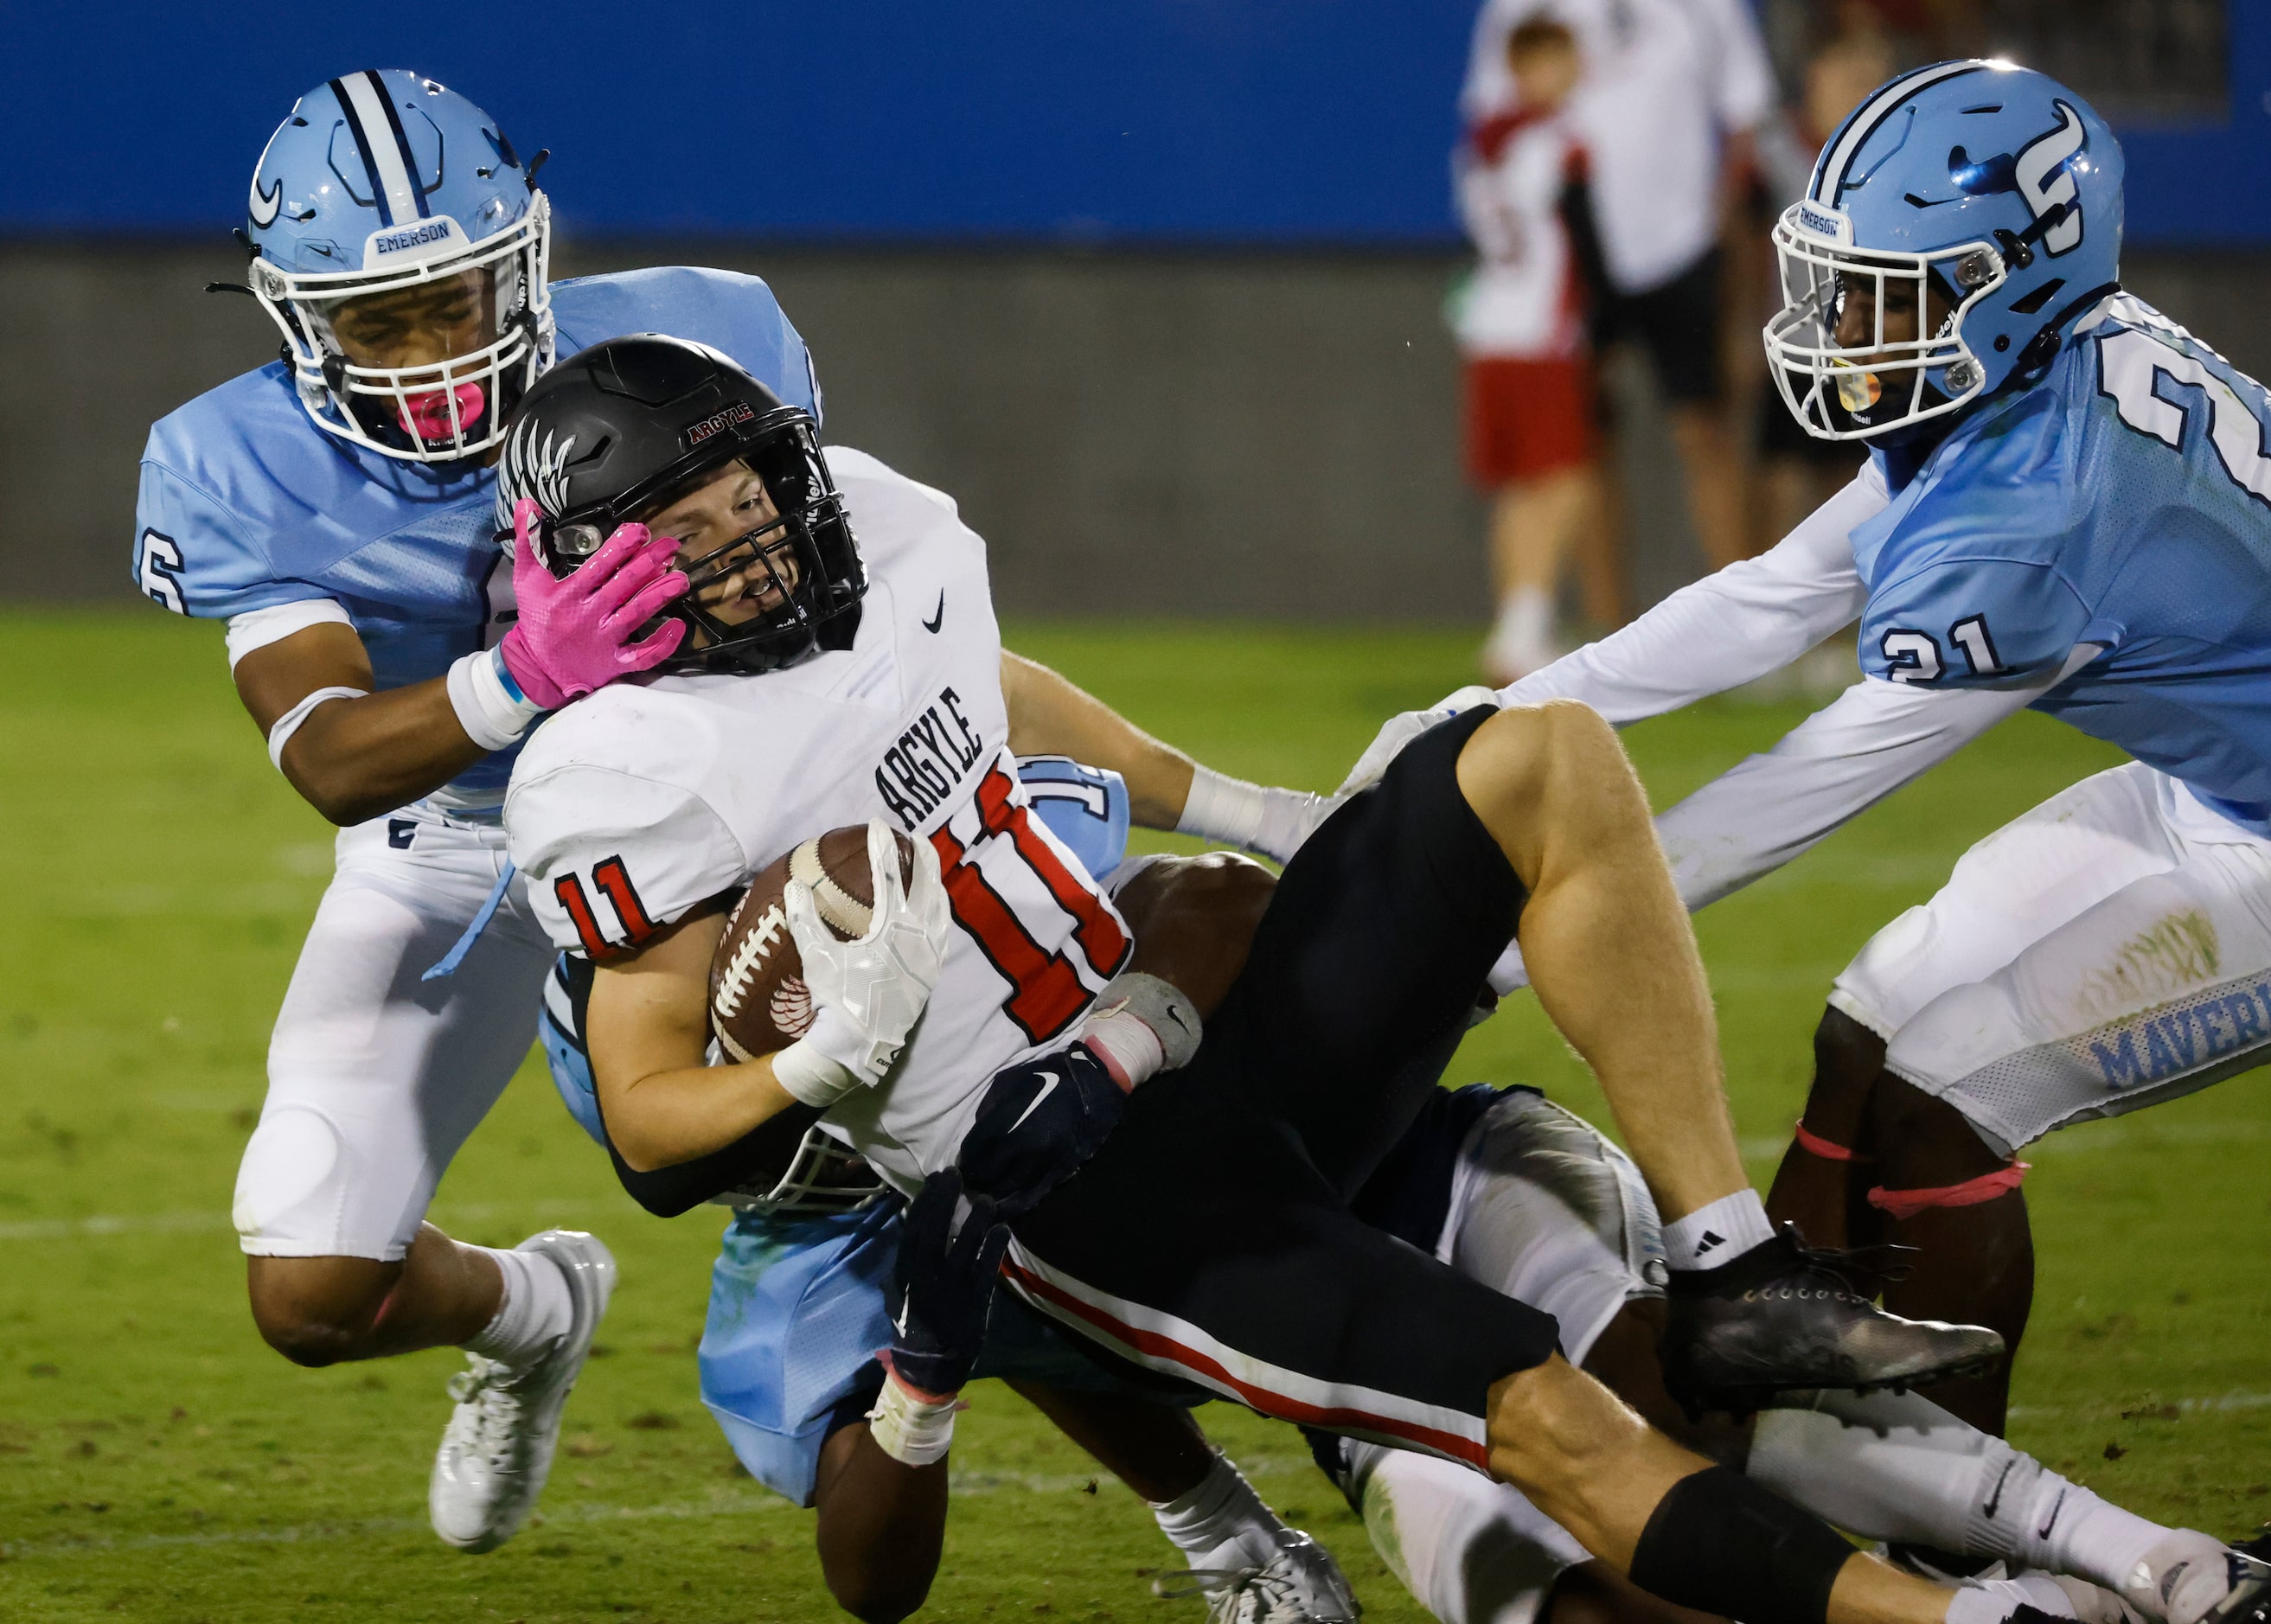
(575, 635)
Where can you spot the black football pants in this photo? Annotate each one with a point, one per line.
(1212, 1238)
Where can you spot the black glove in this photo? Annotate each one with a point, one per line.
(946, 1279)
(1036, 1124)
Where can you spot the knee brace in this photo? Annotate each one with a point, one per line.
(1718, 1543)
(1899, 1205)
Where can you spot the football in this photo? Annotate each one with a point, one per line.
(758, 1002)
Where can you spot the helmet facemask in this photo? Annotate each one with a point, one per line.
(1863, 390)
(821, 1177)
(439, 410)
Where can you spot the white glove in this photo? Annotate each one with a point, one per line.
(869, 992)
(1399, 731)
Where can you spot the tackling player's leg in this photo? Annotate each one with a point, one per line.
(376, 1079)
(2105, 951)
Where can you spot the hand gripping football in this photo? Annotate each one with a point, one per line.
(759, 1004)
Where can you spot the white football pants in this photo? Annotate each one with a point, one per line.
(376, 1077)
(2109, 949)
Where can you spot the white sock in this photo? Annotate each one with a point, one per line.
(1525, 615)
(1522, 634)
(2069, 1529)
(536, 1311)
(1717, 1233)
(1221, 1522)
(1898, 1467)
(1470, 1551)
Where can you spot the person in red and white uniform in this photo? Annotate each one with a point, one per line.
(1531, 434)
(1671, 94)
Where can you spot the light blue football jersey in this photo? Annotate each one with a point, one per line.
(2125, 501)
(246, 504)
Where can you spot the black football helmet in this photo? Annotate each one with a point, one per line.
(617, 432)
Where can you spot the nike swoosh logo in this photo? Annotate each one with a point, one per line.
(2044, 1532)
(900, 1324)
(1996, 1498)
(1047, 1088)
(265, 205)
(936, 620)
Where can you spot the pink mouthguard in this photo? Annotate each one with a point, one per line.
(427, 415)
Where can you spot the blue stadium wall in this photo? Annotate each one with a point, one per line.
(1153, 286)
(1191, 122)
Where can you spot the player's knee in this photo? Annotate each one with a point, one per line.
(875, 1598)
(1558, 763)
(1846, 1056)
(311, 1313)
(1848, 1060)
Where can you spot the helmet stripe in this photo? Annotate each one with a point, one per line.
(401, 144)
(370, 116)
(1830, 177)
(363, 145)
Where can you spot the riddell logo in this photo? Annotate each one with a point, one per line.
(733, 415)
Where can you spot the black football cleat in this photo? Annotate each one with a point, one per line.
(1782, 1317)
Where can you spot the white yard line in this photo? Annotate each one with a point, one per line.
(177, 1223)
(568, 1516)
(2189, 1406)
(970, 1483)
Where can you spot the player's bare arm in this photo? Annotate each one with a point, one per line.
(650, 1032)
(354, 758)
(1051, 715)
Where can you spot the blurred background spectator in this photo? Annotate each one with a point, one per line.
(1796, 473)
(1532, 440)
(1669, 98)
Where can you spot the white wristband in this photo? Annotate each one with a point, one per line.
(1233, 812)
(287, 725)
(1221, 807)
(489, 704)
(811, 1076)
(912, 1431)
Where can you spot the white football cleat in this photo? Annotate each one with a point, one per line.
(2193, 1578)
(497, 1450)
(1300, 1584)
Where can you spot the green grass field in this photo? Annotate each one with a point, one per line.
(157, 1463)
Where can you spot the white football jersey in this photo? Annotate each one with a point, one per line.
(631, 807)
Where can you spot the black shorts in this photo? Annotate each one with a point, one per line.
(1212, 1238)
(1677, 324)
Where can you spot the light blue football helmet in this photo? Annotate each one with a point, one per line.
(1979, 187)
(382, 181)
